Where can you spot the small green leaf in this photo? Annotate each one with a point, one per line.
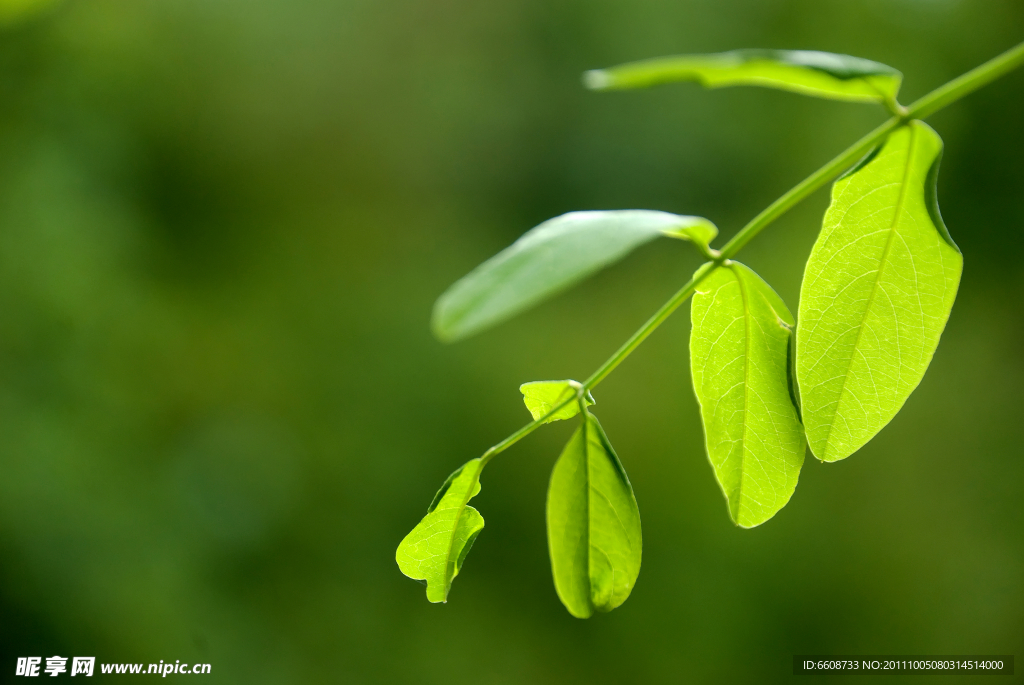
(877, 291)
(546, 260)
(543, 396)
(822, 74)
(739, 345)
(436, 548)
(593, 524)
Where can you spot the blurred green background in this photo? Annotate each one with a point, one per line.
(222, 228)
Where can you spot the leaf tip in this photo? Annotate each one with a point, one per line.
(747, 525)
(829, 452)
(442, 328)
(597, 79)
(443, 336)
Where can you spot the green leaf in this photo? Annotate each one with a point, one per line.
(739, 344)
(593, 524)
(437, 547)
(543, 396)
(822, 74)
(546, 260)
(877, 291)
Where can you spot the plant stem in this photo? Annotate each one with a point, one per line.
(800, 191)
(968, 83)
(652, 323)
(929, 104)
(521, 433)
(776, 209)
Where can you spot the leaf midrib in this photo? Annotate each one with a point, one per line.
(455, 529)
(746, 387)
(874, 288)
(590, 514)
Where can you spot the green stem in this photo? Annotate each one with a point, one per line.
(521, 433)
(800, 191)
(578, 395)
(929, 104)
(968, 83)
(666, 310)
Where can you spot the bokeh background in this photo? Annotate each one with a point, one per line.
(222, 228)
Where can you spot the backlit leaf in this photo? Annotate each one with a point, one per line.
(543, 396)
(739, 343)
(548, 259)
(435, 549)
(822, 74)
(877, 291)
(593, 524)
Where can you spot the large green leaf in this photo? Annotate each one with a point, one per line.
(593, 524)
(548, 259)
(876, 294)
(436, 548)
(822, 74)
(541, 397)
(739, 344)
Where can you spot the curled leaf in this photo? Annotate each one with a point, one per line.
(437, 547)
(697, 230)
(541, 397)
(821, 74)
